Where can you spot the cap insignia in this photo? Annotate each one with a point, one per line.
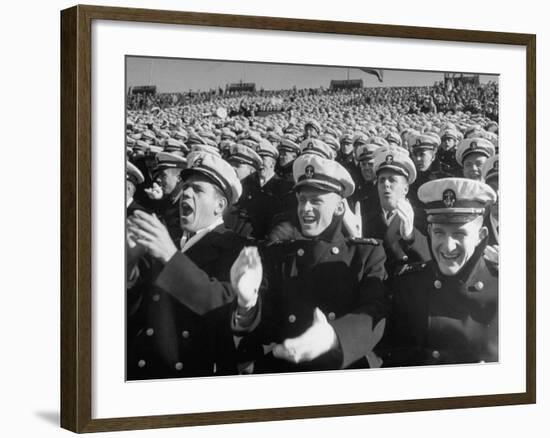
(309, 171)
(473, 145)
(495, 166)
(197, 162)
(449, 198)
(389, 159)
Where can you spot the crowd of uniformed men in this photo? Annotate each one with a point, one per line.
(327, 237)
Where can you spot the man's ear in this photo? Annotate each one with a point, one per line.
(221, 204)
(340, 208)
(406, 189)
(483, 233)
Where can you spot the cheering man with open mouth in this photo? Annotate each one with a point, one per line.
(171, 292)
(318, 302)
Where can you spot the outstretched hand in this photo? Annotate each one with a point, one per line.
(315, 341)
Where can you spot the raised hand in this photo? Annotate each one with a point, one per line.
(315, 341)
(133, 250)
(405, 213)
(154, 192)
(147, 230)
(353, 221)
(246, 276)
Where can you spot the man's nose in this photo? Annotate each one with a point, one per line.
(449, 244)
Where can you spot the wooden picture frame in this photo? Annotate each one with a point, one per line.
(76, 217)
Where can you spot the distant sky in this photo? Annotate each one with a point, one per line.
(170, 75)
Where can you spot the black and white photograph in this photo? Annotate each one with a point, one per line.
(285, 218)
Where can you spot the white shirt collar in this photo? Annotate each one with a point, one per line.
(385, 217)
(186, 243)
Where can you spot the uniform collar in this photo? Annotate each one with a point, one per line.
(187, 242)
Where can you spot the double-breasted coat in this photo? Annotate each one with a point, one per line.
(343, 277)
(437, 319)
(173, 311)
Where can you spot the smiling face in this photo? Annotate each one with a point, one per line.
(472, 165)
(391, 188)
(316, 209)
(454, 244)
(423, 159)
(201, 203)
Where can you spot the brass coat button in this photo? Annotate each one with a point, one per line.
(141, 363)
(185, 334)
(335, 250)
(479, 285)
(149, 332)
(300, 252)
(436, 354)
(178, 366)
(331, 316)
(292, 318)
(437, 284)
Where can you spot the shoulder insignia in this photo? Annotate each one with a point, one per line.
(366, 241)
(411, 267)
(279, 243)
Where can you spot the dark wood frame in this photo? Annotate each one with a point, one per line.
(76, 177)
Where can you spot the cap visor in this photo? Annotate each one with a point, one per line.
(319, 184)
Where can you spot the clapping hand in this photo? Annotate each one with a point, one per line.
(405, 213)
(246, 276)
(353, 222)
(147, 230)
(315, 341)
(154, 192)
